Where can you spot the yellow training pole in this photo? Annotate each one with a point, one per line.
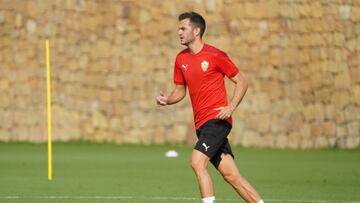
(48, 87)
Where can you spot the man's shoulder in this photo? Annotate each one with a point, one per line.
(214, 51)
(183, 52)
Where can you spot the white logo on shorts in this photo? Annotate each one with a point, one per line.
(206, 147)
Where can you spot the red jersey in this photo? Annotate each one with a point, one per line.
(203, 73)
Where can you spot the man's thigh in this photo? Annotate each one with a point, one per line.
(227, 165)
(199, 159)
(212, 137)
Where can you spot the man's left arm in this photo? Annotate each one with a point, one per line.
(239, 93)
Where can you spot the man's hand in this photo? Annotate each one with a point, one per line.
(162, 99)
(224, 112)
(240, 89)
(177, 95)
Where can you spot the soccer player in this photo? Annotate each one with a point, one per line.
(201, 68)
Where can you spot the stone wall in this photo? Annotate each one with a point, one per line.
(109, 60)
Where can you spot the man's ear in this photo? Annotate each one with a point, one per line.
(197, 31)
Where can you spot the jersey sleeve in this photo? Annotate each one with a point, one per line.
(226, 66)
(178, 75)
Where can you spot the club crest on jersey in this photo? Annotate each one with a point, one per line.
(204, 65)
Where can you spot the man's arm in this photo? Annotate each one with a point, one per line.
(177, 95)
(239, 93)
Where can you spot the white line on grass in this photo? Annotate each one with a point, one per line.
(165, 198)
(10, 197)
(311, 201)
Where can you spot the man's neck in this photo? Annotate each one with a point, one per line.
(196, 46)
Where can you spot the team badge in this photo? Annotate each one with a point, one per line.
(204, 65)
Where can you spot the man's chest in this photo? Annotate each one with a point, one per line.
(195, 69)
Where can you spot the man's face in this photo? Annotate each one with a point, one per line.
(186, 32)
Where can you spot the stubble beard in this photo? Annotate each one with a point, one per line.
(187, 42)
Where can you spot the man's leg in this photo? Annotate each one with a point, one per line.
(231, 174)
(199, 163)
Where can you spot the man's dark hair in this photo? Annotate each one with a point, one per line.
(195, 19)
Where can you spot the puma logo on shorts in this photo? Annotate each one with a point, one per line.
(214, 133)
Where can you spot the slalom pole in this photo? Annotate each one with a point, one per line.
(49, 119)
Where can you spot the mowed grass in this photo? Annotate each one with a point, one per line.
(90, 172)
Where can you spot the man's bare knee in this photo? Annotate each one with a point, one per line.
(231, 177)
(199, 162)
(197, 166)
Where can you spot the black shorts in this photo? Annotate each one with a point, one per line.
(213, 140)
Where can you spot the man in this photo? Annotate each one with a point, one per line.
(202, 68)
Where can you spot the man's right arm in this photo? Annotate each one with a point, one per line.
(177, 95)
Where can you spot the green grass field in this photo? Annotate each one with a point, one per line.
(88, 172)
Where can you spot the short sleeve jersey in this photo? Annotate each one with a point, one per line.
(203, 74)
